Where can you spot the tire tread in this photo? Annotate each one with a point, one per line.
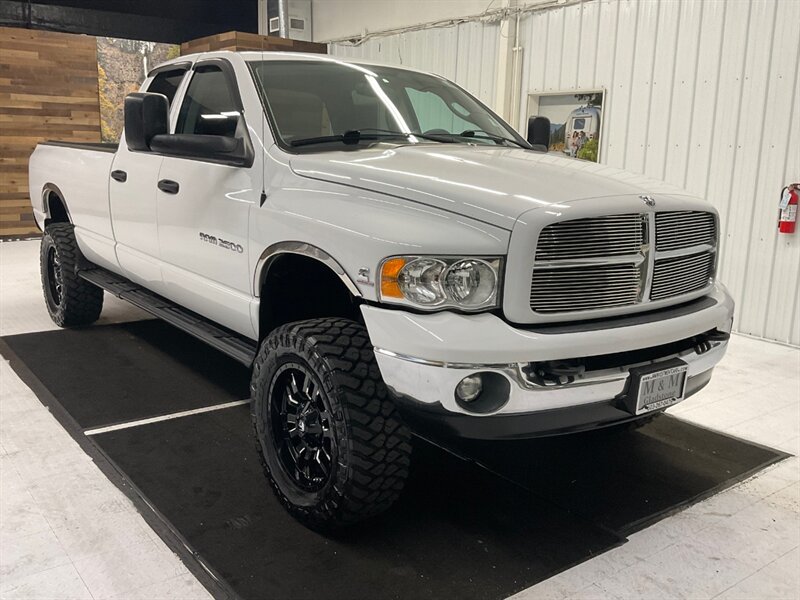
(81, 302)
(378, 444)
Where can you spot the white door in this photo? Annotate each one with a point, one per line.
(203, 209)
(132, 191)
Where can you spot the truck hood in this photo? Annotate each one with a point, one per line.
(493, 185)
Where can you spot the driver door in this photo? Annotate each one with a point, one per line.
(204, 207)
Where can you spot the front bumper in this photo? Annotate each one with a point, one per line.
(423, 357)
(437, 421)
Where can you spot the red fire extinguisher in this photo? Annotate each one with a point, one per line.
(788, 206)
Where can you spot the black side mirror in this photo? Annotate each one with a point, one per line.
(193, 145)
(217, 148)
(539, 133)
(146, 116)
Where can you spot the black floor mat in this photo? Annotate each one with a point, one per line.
(118, 373)
(459, 531)
(632, 478)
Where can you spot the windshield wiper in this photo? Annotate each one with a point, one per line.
(471, 133)
(348, 137)
(434, 137)
(354, 136)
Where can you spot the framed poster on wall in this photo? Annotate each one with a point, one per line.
(576, 121)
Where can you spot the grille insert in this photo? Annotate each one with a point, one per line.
(615, 235)
(681, 275)
(677, 230)
(584, 288)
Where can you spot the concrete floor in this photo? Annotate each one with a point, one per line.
(67, 532)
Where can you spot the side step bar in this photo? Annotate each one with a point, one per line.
(234, 345)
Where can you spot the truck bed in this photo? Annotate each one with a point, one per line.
(79, 171)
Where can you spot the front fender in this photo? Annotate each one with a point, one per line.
(303, 249)
(355, 229)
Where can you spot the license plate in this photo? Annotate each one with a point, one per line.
(656, 388)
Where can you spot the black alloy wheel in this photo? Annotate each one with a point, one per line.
(54, 287)
(302, 427)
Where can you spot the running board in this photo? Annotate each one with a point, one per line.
(234, 345)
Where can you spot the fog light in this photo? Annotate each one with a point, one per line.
(469, 388)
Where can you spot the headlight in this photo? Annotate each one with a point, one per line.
(431, 282)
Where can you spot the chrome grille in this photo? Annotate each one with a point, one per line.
(681, 275)
(597, 263)
(684, 229)
(615, 235)
(584, 288)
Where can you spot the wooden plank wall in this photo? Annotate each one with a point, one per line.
(48, 90)
(238, 40)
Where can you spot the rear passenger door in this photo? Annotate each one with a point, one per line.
(204, 205)
(132, 193)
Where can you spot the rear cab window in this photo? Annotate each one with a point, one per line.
(167, 83)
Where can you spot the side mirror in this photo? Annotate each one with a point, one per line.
(146, 116)
(539, 133)
(228, 150)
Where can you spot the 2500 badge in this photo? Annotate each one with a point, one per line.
(211, 239)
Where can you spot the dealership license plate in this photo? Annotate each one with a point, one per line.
(660, 389)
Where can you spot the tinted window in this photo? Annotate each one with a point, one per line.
(208, 107)
(578, 123)
(167, 82)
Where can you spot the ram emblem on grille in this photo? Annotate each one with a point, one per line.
(649, 200)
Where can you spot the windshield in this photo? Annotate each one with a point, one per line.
(322, 105)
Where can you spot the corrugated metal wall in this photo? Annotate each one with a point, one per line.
(466, 54)
(705, 95)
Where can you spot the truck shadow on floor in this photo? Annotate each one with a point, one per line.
(479, 520)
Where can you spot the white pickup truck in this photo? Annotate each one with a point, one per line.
(389, 256)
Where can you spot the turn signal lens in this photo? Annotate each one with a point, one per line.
(390, 284)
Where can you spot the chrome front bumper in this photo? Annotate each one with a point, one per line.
(430, 383)
(426, 380)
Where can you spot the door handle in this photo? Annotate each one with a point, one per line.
(169, 186)
(120, 176)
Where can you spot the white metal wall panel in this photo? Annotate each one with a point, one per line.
(535, 57)
(646, 36)
(604, 62)
(466, 54)
(683, 92)
(741, 216)
(589, 28)
(771, 276)
(476, 59)
(722, 140)
(571, 40)
(618, 109)
(555, 48)
(704, 95)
